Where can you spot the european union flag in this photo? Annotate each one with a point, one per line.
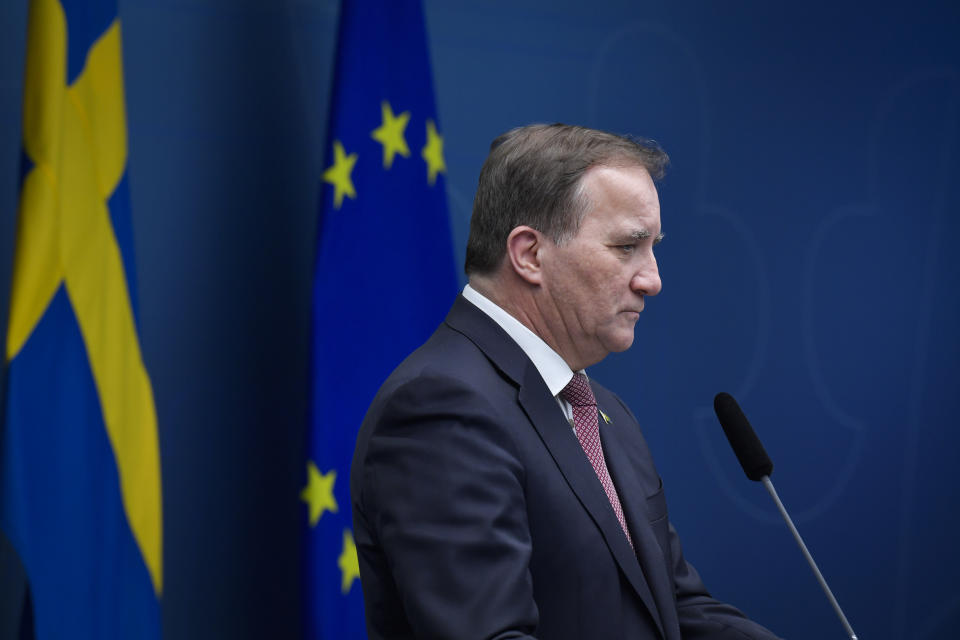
(384, 273)
(80, 475)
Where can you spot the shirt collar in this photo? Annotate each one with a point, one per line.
(554, 370)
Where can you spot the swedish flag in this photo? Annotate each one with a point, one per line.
(384, 273)
(80, 475)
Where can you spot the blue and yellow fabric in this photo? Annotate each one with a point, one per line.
(384, 274)
(80, 474)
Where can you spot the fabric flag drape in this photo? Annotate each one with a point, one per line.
(384, 273)
(79, 457)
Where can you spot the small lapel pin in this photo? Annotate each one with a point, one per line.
(605, 417)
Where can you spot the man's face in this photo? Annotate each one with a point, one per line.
(596, 282)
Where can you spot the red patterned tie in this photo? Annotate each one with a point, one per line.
(579, 394)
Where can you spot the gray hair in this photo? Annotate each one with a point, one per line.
(533, 176)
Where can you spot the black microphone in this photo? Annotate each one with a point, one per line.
(758, 467)
(751, 454)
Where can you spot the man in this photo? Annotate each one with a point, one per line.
(497, 493)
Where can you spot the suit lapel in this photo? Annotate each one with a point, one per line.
(549, 422)
(649, 553)
(547, 418)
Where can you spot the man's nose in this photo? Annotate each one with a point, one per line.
(646, 281)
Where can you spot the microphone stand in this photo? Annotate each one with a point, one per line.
(806, 554)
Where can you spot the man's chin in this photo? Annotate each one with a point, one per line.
(620, 343)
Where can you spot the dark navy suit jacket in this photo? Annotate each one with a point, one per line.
(477, 514)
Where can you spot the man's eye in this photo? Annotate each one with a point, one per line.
(627, 248)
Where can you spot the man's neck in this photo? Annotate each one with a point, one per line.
(522, 305)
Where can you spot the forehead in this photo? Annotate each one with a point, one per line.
(621, 194)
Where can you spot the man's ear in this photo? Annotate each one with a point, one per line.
(524, 247)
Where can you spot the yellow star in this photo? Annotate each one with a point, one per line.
(348, 563)
(433, 153)
(390, 134)
(339, 174)
(318, 493)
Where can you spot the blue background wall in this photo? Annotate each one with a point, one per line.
(811, 214)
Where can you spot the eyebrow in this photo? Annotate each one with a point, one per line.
(643, 234)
